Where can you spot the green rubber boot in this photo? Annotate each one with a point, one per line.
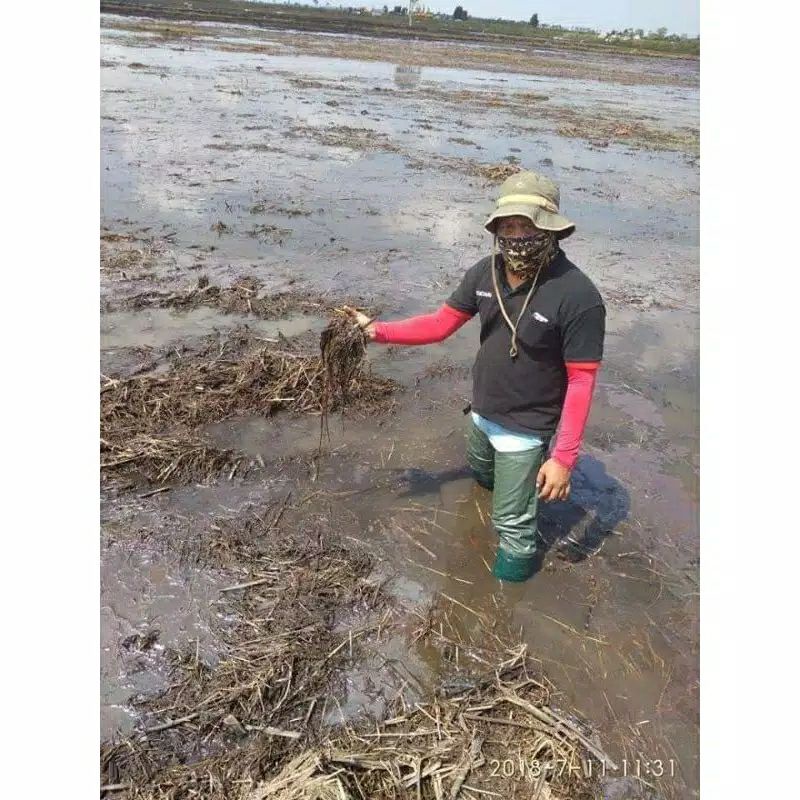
(510, 567)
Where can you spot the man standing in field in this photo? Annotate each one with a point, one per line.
(541, 344)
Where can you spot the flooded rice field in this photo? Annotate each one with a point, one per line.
(253, 181)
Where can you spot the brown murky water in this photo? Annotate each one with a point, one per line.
(337, 175)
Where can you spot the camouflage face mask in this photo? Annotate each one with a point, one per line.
(526, 255)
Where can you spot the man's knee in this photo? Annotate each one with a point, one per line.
(482, 470)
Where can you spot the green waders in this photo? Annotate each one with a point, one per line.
(511, 477)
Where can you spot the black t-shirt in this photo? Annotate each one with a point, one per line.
(564, 321)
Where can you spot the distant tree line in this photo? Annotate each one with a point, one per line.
(460, 13)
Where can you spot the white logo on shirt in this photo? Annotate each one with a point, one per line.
(539, 318)
(482, 293)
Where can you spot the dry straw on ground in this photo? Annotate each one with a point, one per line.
(162, 458)
(150, 423)
(244, 296)
(128, 255)
(257, 724)
(499, 739)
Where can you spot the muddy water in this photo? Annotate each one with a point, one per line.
(160, 327)
(200, 136)
(145, 592)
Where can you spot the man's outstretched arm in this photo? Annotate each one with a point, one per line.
(427, 328)
(424, 329)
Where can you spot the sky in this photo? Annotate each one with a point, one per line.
(678, 16)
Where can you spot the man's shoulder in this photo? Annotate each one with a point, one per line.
(479, 272)
(579, 289)
(472, 282)
(481, 267)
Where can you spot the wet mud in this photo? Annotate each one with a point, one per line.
(327, 172)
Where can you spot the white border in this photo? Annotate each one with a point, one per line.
(50, 67)
(749, 318)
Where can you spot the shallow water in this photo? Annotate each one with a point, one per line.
(162, 167)
(146, 591)
(159, 327)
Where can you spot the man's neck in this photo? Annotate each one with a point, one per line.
(513, 280)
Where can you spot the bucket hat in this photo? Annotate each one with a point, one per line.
(534, 196)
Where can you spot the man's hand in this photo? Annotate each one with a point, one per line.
(362, 320)
(552, 480)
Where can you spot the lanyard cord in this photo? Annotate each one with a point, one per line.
(513, 326)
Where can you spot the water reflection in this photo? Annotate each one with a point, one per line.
(407, 77)
(575, 528)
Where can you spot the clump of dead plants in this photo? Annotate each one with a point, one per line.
(124, 253)
(343, 346)
(494, 173)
